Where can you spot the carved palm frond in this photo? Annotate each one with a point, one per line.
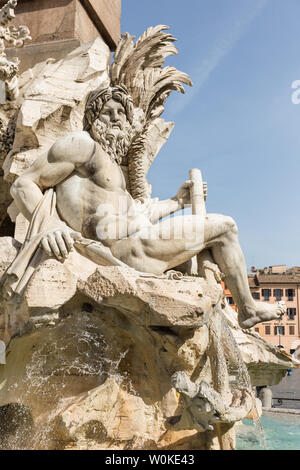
(139, 66)
(124, 50)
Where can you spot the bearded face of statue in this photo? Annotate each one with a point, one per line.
(112, 130)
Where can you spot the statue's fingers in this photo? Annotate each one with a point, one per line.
(61, 244)
(46, 246)
(54, 247)
(188, 184)
(68, 240)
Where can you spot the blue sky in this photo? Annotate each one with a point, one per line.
(238, 123)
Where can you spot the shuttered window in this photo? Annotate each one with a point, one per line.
(267, 330)
(290, 294)
(278, 293)
(256, 295)
(291, 330)
(266, 293)
(279, 330)
(291, 313)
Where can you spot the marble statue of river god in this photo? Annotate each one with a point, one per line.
(78, 194)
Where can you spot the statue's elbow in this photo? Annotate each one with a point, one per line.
(16, 187)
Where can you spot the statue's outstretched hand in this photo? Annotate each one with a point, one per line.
(58, 242)
(183, 195)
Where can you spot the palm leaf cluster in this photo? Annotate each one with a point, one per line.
(139, 66)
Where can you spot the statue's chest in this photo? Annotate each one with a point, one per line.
(105, 173)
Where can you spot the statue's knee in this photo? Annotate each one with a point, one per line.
(230, 225)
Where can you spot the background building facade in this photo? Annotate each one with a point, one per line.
(274, 284)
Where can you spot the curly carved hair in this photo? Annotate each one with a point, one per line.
(99, 97)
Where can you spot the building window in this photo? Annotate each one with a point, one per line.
(267, 330)
(278, 293)
(291, 313)
(256, 295)
(257, 330)
(230, 300)
(266, 293)
(279, 330)
(290, 294)
(291, 330)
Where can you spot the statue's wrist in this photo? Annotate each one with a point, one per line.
(180, 203)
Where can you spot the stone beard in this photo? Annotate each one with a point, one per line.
(114, 140)
(108, 119)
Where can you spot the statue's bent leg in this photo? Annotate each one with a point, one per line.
(228, 255)
(170, 243)
(160, 247)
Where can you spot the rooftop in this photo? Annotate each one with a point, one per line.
(288, 278)
(279, 278)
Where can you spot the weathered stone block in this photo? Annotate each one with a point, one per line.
(59, 26)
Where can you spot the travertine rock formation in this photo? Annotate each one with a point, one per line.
(52, 99)
(93, 367)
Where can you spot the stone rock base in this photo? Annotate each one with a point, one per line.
(90, 359)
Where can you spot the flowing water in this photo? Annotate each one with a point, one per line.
(242, 379)
(74, 348)
(282, 432)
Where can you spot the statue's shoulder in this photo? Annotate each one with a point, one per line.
(77, 147)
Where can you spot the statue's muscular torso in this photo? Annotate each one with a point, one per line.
(94, 200)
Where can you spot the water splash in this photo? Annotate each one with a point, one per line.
(71, 347)
(239, 371)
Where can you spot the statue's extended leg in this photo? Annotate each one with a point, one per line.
(228, 255)
(174, 241)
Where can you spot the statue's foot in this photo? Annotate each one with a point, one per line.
(261, 312)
